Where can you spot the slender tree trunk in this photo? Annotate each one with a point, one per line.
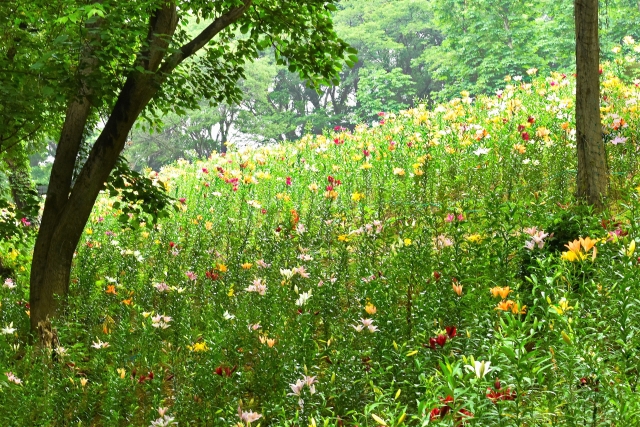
(223, 136)
(20, 181)
(593, 177)
(507, 28)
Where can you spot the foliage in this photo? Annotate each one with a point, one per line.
(441, 47)
(30, 104)
(142, 201)
(483, 41)
(365, 277)
(380, 90)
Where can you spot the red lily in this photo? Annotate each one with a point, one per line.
(225, 370)
(434, 414)
(432, 343)
(451, 331)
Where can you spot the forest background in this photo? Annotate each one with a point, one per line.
(409, 52)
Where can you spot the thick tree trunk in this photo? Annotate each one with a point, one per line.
(68, 208)
(593, 178)
(50, 267)
(64, 218)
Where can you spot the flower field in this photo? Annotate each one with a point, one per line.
(430, 269)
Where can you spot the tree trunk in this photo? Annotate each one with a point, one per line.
(507, 28)
(66, 214)
(50, 268)
(223, 136)
(593, 177)
(67, 209)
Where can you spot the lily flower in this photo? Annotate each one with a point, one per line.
(457, 288)
(297, 387)
(8, 329)
(248, 417)
(480, 368)
(574, 246)
(502, 292)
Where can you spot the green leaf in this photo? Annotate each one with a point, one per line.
(508, 351)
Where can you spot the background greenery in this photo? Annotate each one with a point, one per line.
(407, 51)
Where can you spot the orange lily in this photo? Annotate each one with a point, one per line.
(587, 243)
(501, 292)
(574, 246)
(457, 288)
(516, 309)
(505, 305)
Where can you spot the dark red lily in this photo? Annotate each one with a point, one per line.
(225, 370)
(432, 343)
(451, 331)
(144, 378)
(434, 414)
(499, 393)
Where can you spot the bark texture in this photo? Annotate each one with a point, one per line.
(593, 176)
(67, 208)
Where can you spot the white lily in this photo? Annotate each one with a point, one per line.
(9, 329)
(480, 368)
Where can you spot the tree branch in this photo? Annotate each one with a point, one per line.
(204, 37)
(162, 25)
(23, 138)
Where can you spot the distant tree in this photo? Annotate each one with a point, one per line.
(593, 176)
(617, 19)
(485, 40)
(194, 134)
(379, 90)
(389, 35)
